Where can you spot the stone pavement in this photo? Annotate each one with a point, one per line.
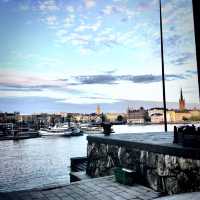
(105, 188)
(185, 196)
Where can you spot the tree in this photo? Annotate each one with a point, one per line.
(69, 118)
(120, 118)
(103, 117)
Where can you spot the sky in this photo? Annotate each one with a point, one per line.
(69, 56)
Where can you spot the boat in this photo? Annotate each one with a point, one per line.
(61, 130)
(75, 131)
(89, 128)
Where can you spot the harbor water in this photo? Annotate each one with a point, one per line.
(45, 161)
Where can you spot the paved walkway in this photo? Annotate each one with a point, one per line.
(186, 196)
(94, 189)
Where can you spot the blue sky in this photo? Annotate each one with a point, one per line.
(72, 55)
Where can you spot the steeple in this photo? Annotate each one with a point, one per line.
(98, 110)
(181, 97)
(181, 101)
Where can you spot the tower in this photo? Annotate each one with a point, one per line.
(181, 102)
(98, 110)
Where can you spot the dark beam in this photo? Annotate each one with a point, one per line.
(163, 68)
(196, 13)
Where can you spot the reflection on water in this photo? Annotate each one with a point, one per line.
(45, 161)
(37, 162)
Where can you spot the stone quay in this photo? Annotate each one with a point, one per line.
(161, 165)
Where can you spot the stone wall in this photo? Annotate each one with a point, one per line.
(163, 173)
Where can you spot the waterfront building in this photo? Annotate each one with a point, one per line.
(113, 117)
(157, 115)
(9, 117)
(136, 116)
(182, 116)
(157, 118)
(154, 111)
(195, 113)
(25, 118)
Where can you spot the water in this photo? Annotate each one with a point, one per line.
(38, 162)
(45, 161)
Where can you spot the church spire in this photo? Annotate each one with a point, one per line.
(181, 101)
(181, 97)
(98, 110)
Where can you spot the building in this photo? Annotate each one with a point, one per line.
(113, 117)
(153, 111)
(9, 117)
(157, 118)
(181, 102)
(157, 115)
(136, 116)
(25, 118)
(98, 110)
(182, 116)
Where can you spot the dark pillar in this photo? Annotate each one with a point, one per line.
(196, 13)
(163, 67)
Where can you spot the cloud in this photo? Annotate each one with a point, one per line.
(115, 79)
(111, 71)
(96, 79)
(192, 72)
(142, 78)
(70, 9)
(172, 40)
(29, 105)
(89, 3)
(149, 78)
(51, 20)
(183, 59)
(48, 5)
(94, 27)
(69, 21)
(108, 10)
(28, 88)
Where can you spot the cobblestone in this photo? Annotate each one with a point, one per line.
(99, 188)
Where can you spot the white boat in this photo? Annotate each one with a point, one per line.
(60, 130)
(88, 128)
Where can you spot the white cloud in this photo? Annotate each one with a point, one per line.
(89, 3)
(89, 100)
(51, 20)
(108, 10)
(94, 27)
(62, 32)
(119, 9)
(69, 20)
(48, 5)
(70, 9)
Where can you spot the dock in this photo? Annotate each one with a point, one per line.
(104, 188)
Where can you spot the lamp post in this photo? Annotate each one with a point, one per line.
(163, 68)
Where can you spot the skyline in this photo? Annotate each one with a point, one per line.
(74, 55)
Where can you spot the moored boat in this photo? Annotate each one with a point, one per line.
(61, 130)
